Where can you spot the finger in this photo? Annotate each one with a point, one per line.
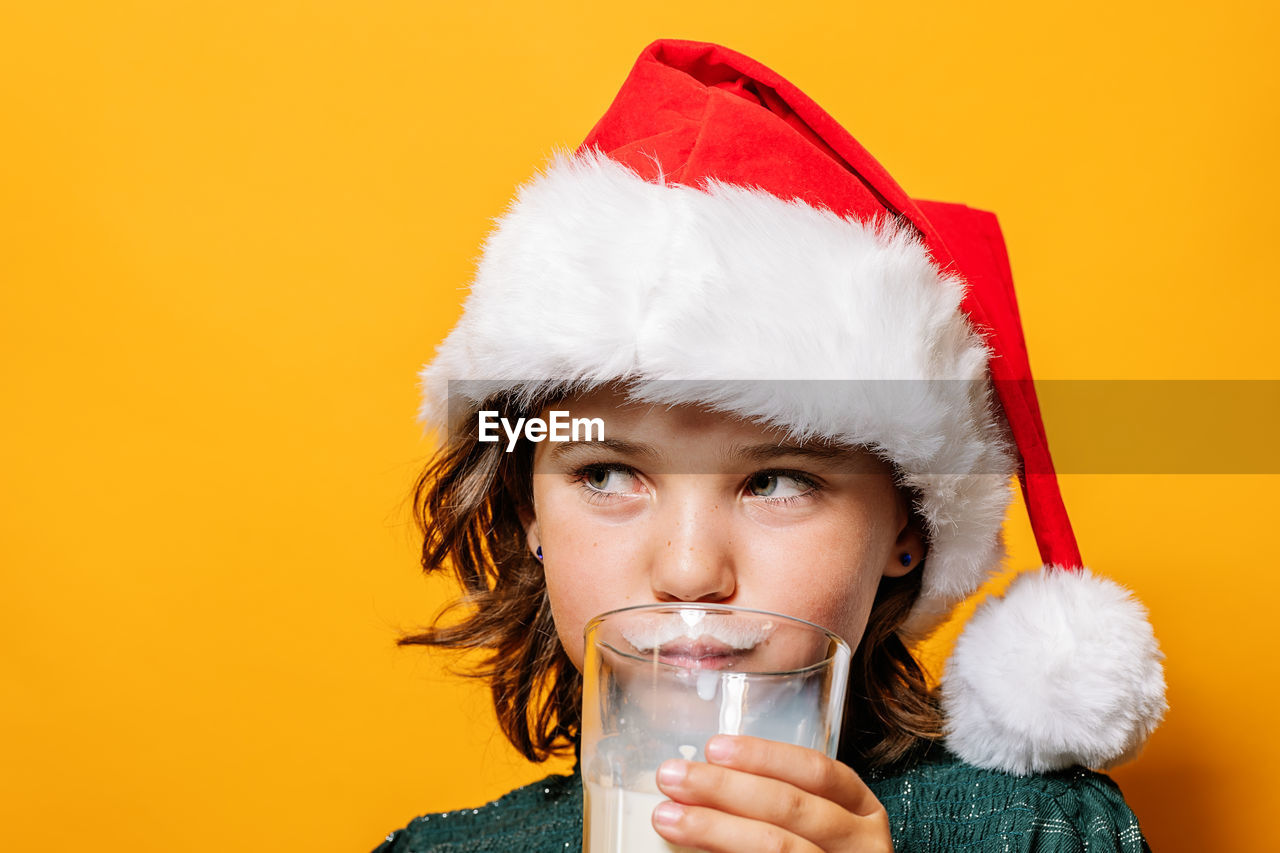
(806, 769)
(717, 832)
(758, 798)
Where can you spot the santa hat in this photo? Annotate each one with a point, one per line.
(715, 206)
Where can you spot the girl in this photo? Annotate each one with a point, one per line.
(813, 392)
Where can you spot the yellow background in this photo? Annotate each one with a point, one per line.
(231, 232)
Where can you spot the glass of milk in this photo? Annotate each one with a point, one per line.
(659, 680)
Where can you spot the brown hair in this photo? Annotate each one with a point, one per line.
(467, 505)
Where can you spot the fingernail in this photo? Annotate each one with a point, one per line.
(667, 814)
(719, 748)
(672, 772)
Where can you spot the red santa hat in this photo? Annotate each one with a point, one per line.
(718, 225)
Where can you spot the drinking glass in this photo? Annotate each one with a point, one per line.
(659, 680)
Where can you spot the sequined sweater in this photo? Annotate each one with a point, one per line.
(937, 804)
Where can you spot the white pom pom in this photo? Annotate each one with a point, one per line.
(1063, 670)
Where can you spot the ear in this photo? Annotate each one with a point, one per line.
(529, 519)
(911, 541)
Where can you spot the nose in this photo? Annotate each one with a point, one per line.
(692, 556)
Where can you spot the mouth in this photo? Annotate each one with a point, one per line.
(698, 643)
(701, 653)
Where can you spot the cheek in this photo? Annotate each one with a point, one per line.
(587, 566)
(840, 603)
(850, 620)
(825, 573)
(571, 605)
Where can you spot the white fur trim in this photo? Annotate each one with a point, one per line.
(596, 275)
(1063, 670)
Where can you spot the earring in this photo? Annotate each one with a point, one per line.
(905, 559)
(538, 553)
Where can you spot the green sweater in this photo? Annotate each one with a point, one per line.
(937, 804)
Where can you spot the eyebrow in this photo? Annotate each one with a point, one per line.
(627, 448)
(753, 453)
(758, 453)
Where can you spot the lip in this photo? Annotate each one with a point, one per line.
(702, 653)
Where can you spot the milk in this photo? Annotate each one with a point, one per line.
(619, 816)
(621, 821)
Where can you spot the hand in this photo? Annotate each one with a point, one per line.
(760, 795)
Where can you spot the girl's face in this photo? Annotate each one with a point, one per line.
(681, 504)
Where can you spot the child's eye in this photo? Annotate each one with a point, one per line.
(607, 479)
(779, 485)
